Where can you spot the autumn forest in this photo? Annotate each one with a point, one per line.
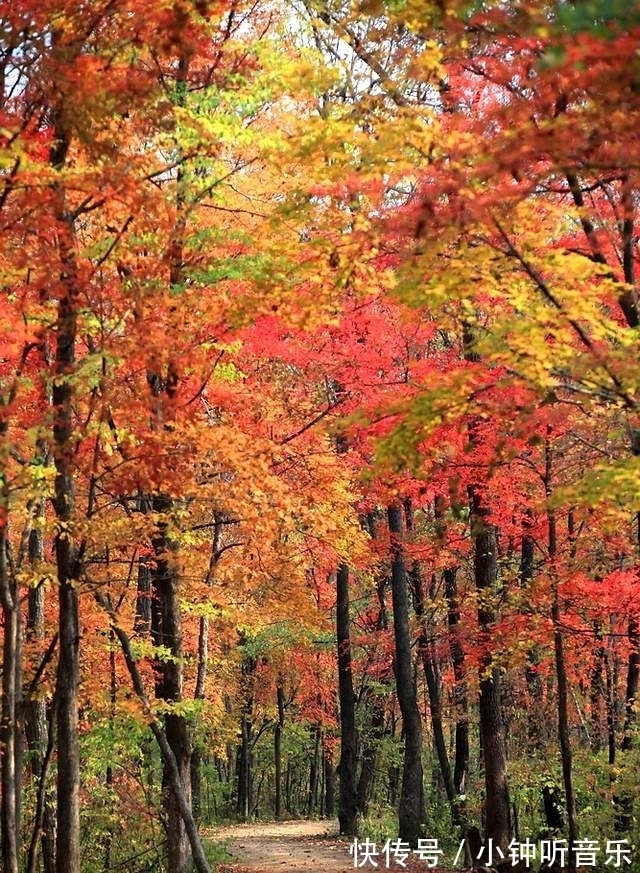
(319, 426)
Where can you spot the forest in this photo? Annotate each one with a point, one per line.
(319, 427)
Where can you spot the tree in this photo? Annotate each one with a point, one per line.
(348, 738)
(411, 811)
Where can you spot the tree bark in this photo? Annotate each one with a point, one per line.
(36, 724)
(329, 785)
(244, 768)
(430, 667)
(536, 732)
(277, 749)
(623, 800)
(373, 703)
(411, 808)
(202, 671)
(10, 724)
(68, 674)
(492, 735)
(564, 738)
(460, 697)
(315, 770)
(166, 630)
(348, 810)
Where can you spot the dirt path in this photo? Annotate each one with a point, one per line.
(286, 847)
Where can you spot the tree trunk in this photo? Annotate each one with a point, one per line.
(597, 692)
(329, 785)
(561, 671)
(36, 724)
(277, 749)
(243, 798)
(432, 677)
(142, 620)
(196, 783)
(68, 674)
(202, 671)
(166, 629)
(492, 735)
(67, 685)
(431, 669)
(460, 697)
(10, 724)
(373, 704)
(347, 811)
(314, 771)
(411, 808)
(113, 699)
(624, 802)
(535, 712)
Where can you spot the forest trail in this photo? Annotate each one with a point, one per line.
(297, 847)
(285, 847)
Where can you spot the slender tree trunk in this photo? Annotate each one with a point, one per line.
(633, 677)
(243, 800)
(142, 620)
(347, 812)
(67, 685)
(36, 723)
(244, 768)
(492, 734)
(167, 633)
(113, 698)
(460, 696)
(314, 770)
(329, 785)
(10, 724)
(411, 809)
(394, 769)
(597, 692)
(432, 677)
(277, 748)
(431, 668)
(537, 732)
(535, 712)
(623, 801)
(373, 705)
(195, 764)
(202, 672)
(611, 682)
(564, 738)
(66, 554)
(287, 788)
